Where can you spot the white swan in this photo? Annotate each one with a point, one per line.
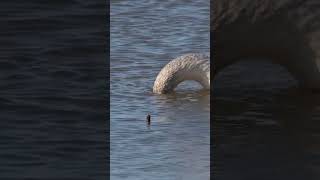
(187, 67)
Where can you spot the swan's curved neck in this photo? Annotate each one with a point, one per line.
(187, 67)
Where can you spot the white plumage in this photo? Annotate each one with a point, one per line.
(187, 67)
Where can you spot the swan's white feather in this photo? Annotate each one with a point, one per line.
(187, 67)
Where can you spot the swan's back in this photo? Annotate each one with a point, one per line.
(187, 67)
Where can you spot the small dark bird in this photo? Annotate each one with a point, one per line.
(148, 119)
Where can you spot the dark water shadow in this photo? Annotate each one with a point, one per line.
(265, 133)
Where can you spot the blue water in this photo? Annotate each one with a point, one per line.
(53, 96)
(145, 35)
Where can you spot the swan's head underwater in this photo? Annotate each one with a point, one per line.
(187, 67)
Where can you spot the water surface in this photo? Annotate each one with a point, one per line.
(145, 35)
(53, 104)
(264, 126)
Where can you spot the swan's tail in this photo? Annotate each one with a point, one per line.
(187, 67)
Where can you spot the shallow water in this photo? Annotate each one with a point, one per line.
(145, 35)
(264, 126)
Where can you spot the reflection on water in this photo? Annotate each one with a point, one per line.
(264, 126)
(145, 35)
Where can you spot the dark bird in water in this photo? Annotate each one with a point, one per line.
(148, 119)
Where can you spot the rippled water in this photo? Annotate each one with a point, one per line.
(264, 126)
(145, 35)
(53, 90)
